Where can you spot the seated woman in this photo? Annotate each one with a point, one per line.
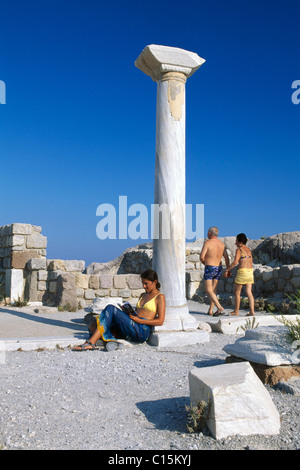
(244, 277)
(113, 323)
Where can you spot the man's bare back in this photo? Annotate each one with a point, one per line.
(212, 252)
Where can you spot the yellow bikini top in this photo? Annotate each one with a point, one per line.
(150, 305)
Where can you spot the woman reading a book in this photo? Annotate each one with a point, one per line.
(113, 322)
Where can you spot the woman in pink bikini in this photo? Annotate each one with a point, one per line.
(150, 311)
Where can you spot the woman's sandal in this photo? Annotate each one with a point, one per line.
(83, 347)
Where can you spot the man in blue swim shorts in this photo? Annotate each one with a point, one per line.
(211, 255)
(212, 272)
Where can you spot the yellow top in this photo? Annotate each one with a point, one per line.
(150, 305)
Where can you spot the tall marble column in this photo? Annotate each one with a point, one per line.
(170, 67)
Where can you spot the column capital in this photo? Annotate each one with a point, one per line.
(156, 61)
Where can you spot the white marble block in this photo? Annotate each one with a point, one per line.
(14, 284)
(239, 402)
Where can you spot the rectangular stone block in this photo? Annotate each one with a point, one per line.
(89, 294)
(42, 285)
(52, 287)
(106, 281)
(74, 265)
(94, 281)
(120, 281)
(134, 281)
(82, 280)
(238, 401)
(14, 284)
(19, 259)
(36, 240)
(24, 229)
(42, 275)
(56, 265)
(36, 264)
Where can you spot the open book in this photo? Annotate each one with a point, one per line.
(127, 308)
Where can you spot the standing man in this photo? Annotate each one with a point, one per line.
(211, 256)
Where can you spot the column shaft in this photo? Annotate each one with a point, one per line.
(169, 249)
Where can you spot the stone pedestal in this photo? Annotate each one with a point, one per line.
(170, 67)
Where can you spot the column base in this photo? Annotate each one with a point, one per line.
(180, 328)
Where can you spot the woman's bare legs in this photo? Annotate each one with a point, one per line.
(237, 294)
(249, 294)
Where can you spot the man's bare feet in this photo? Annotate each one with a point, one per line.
(234, 313)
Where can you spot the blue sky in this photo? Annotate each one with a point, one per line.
(78, 126)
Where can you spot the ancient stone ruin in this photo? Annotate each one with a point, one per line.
(27, 273)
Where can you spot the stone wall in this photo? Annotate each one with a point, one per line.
(28, 274)
(18, 244)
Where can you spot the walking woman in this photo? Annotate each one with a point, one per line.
(244, 277)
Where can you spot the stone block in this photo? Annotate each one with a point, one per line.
(119, 281)
(52, 287)
(114, 292)
(36, 264)
(134, 281)
(36, 240)
(53, 275)
(296, 270)
(94, 282)
(7, 263)
(124, 293)
(285, 272)
(267, 275)
(14, 284)
(74, 265)
(267, 345)
(178, 339)
(19, 259)
(102, 292)
(82, 280)
(24, 229)
(42, 275)
(106, 281)
(66, 290)
(17, 240)
(42, 285)
(193, 258)
(56, 265)
(295, 281)
(31, 286)
(239, 404)
(89, 294)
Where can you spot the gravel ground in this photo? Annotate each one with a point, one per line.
(130, 399)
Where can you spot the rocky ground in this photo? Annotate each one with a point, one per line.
(130, 399)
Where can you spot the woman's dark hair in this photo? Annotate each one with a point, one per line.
(241, 238)
(151, 275)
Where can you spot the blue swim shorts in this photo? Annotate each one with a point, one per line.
(212, 272)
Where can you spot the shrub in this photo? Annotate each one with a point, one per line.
(197, 416)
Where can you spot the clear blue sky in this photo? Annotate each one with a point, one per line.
(78, 126)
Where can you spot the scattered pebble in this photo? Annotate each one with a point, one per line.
(126, 399)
